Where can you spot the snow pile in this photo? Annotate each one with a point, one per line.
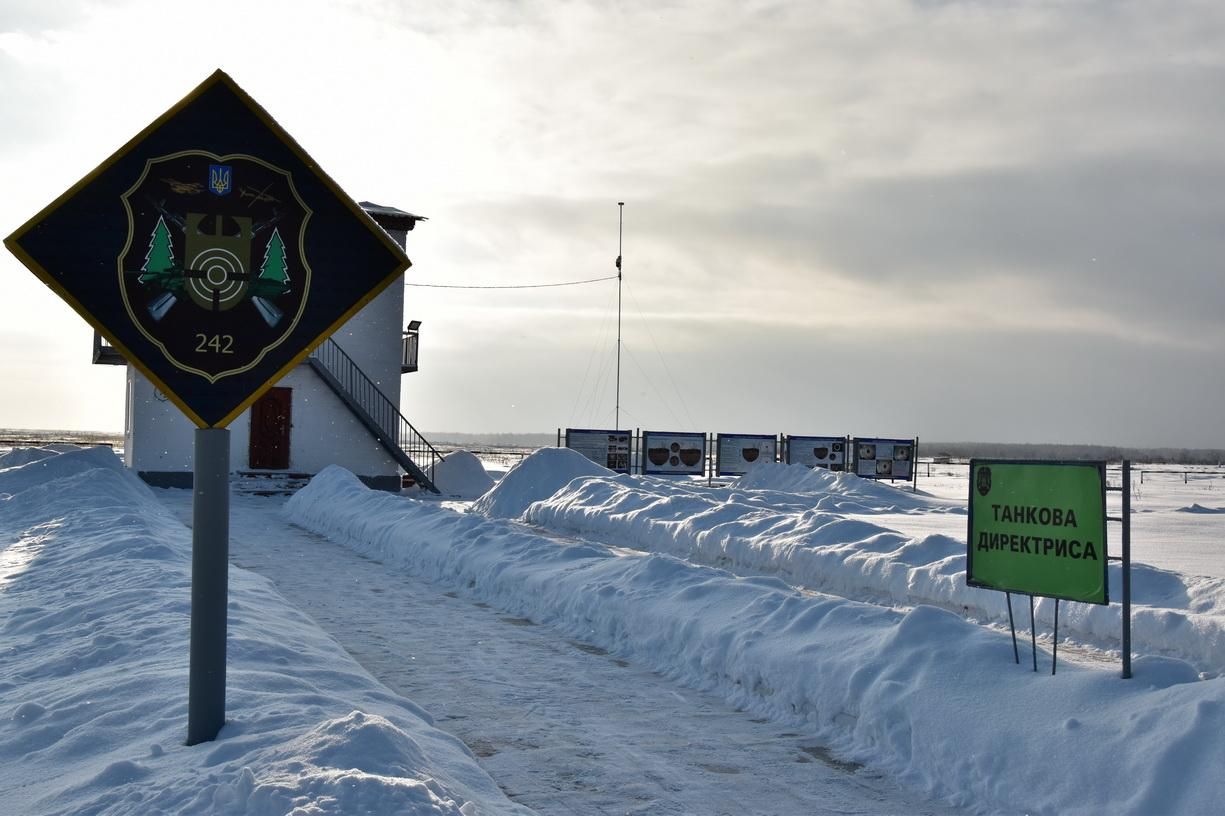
(777, 476)
(842, 492)
(94, 611)
(30, 466)
(461, 475)
(922, 695)
(540, 475)
(24, 456)
(1199, 508)
(796, 536)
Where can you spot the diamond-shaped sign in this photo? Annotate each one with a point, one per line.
(211, 251)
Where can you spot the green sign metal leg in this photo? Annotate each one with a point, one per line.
(210, 562)
(1033, 632)
(1016, 653)
(1055, 640)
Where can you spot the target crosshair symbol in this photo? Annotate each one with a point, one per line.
(216, 279)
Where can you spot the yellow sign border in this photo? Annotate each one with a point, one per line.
(217, 77)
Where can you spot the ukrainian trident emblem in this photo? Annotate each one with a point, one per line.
(220, 179)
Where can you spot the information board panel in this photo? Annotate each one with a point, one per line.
(884, 458)
(673, 453)
(736, 453)
(817, 451)
(604, 447)
(1038, 528)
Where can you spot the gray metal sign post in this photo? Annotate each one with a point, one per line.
(210, 565)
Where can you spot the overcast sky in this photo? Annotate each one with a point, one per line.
(959, 220)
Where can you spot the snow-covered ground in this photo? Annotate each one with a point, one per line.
(837, 533)
(94, 608)
(831, 611)
(562, 725)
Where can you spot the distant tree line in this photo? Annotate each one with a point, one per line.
(500, 440)
(1010, 450)
(25, 437)
(950, 450)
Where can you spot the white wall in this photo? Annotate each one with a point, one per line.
(323, 432)
(158, 438)
(373, 338)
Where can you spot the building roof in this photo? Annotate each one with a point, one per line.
(390, 217)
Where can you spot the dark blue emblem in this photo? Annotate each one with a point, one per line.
(983, 481)
(220, 179)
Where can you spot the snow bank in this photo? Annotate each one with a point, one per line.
(542, 474)
(922, 695)
(461, 475)
(1199, 508)
(843, 492)
(94, 611)
(820, 536)
(23, 456)
(39, 465)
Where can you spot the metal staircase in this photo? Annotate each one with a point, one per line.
(378, 413)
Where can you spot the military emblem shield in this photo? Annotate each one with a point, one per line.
(194, 255)
(982, 480)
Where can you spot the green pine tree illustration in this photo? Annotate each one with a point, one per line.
(275, 265)
(160, 258)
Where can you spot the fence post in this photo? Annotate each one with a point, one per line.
(1126, 514)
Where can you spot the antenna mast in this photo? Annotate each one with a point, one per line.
(620, 223)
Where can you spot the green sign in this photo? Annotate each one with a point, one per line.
(1038, 528)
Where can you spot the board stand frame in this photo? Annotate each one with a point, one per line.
(1125, 558)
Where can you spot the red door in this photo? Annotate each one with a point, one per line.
(270, 430)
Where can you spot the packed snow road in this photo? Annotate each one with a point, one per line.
(563, 726)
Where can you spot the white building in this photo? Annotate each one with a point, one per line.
(339, 406)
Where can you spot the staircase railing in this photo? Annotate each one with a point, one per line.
(394, 432)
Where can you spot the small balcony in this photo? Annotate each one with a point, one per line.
(408, 357)
(105, 353)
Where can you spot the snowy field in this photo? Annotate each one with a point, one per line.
(815, 627)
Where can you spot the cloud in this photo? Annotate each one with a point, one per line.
(904, 153)
(1133, 239)
(38, 16)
